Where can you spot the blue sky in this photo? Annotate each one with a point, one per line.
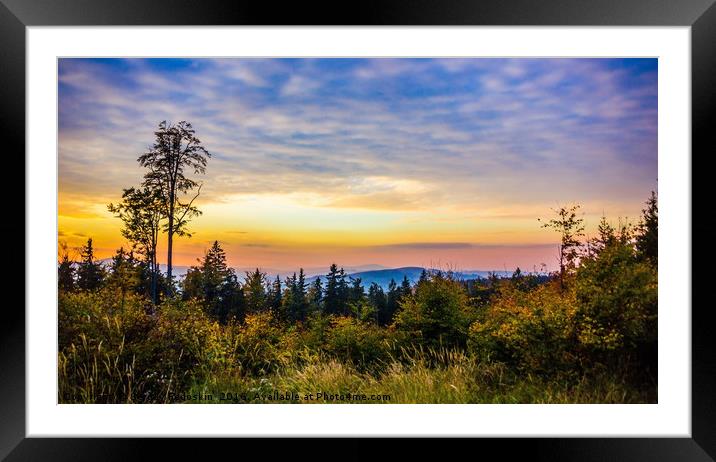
(495, 141)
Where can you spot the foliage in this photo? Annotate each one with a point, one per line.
(532, 330)
(175, 150)
(570, 229)
(255, 292)
(90, 272)
(437, 313)
(647, 240)
(356, 341)
(259, 346)
(586, 334)
(215, 284)
(141, 212)
(65, 271)
(101, 337)
(617, 298)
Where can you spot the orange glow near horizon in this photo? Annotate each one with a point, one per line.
(285, 233)
(394, 162)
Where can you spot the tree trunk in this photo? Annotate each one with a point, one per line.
(170, 239)
(169, 255)
(561, 269)
(153, 276)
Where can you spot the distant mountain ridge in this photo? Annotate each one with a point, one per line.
(368, 273)
(383, 277)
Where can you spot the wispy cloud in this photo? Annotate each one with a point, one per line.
(461, 136)
(429, 245)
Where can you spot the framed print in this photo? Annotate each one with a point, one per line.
(456, 225)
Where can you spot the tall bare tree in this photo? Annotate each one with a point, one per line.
(175, 150)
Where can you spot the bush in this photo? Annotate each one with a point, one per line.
(617, 297)
(186, 344)
(259, 345)
(101, 340)
(356, 341)
(436, 314)
(533, 330)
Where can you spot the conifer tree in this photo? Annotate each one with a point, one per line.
(343, 293)
(424, 276)
(315, 295)
(123, 273)
(215, 283)
(275, 297)
(356, 291)
(376, 298)
(647, 238)
(298, 307)
(331, 298)
(405, 287)
(65, 271)
(606, 236)
(391, 305)
(90, 272)
(255, 291)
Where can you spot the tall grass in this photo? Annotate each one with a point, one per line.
(112, 353)
(429, 377)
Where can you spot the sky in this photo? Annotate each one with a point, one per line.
(393, 162)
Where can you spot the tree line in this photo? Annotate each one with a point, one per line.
(164, 203)
(129, 332)
(216, 285)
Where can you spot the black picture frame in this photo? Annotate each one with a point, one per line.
(16, 15)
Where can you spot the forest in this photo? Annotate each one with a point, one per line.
(131, 333)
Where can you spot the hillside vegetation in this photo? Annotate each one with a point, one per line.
(130, 333)
(586, 334)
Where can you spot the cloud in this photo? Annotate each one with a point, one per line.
(299, 85)
(379, 134)
(429, 245)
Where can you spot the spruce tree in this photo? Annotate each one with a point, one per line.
(215, 284)
(647, 238)
(255, 291)
(405, 287)
(343, 293)
(376, 298)
(331, 298)
(356, 291)
(315, 295)
(391, 305)
(299, 305)
(275, 297)
(90, 272)
(123, 272)
(65, 271)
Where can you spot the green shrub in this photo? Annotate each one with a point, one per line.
(101, 340)
(259, 347)
(436, 314)
(356, 341)
(617, 297)
(186, 344)
(533, 330)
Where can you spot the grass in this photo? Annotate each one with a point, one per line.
(443, 377)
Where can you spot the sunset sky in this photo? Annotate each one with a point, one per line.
(393, 162)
